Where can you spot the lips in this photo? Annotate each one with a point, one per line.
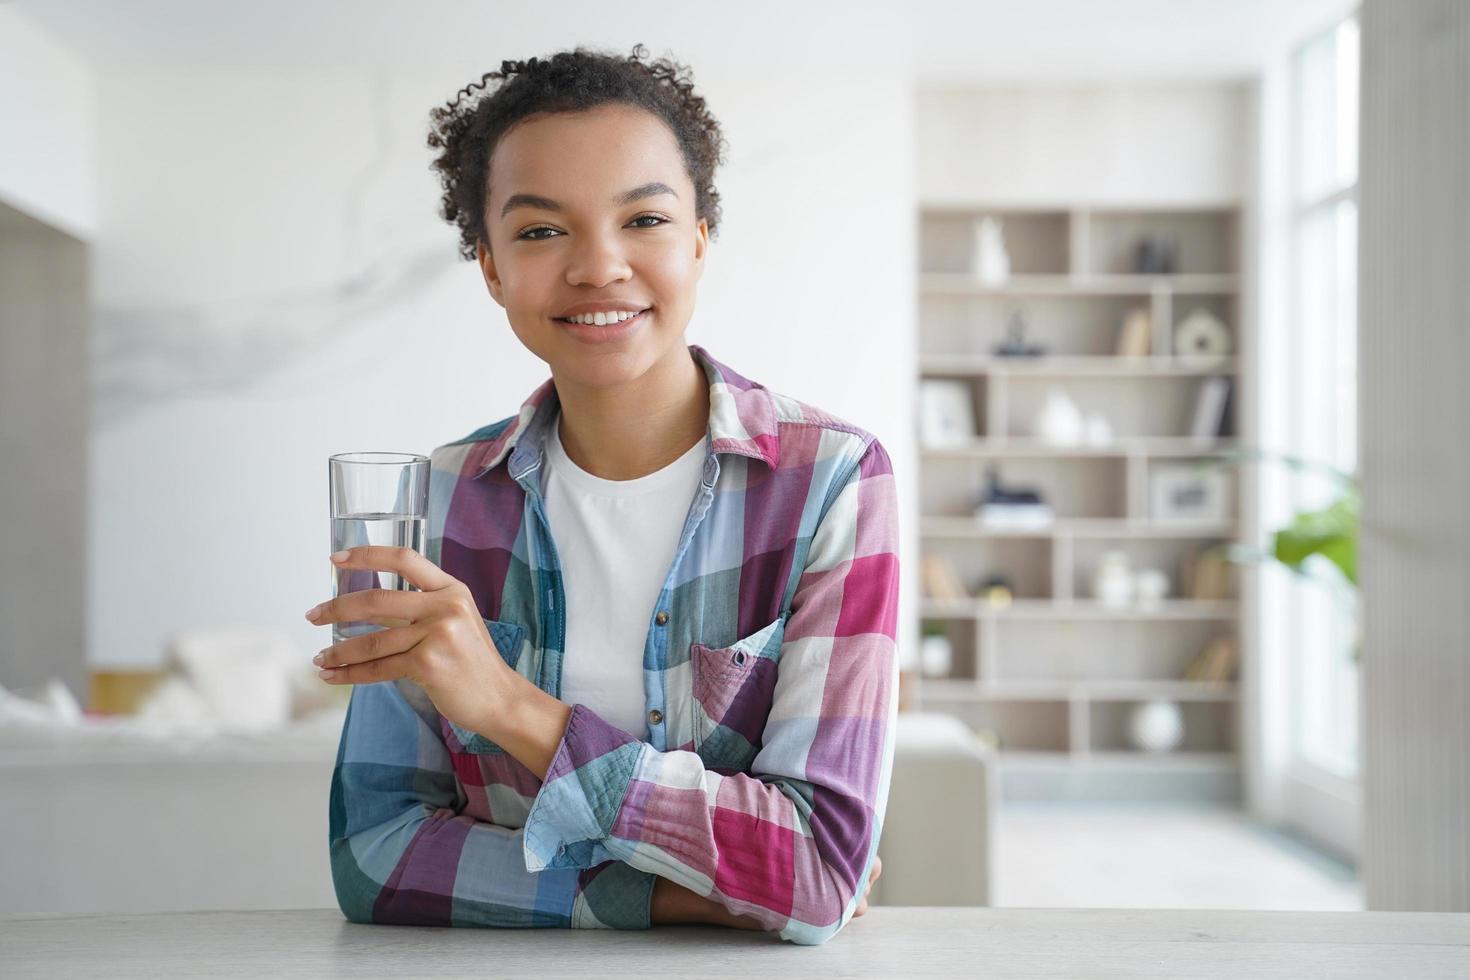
(593, 334)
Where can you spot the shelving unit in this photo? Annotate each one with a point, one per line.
(1054, 675)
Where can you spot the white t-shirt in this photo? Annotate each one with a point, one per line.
(616, 541)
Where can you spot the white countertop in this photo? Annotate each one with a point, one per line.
(888, 941)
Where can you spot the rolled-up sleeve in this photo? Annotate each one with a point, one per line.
(402, 853)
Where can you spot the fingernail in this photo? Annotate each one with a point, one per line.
(339, 556)
(318, 660)
(324, 674)
(313, 612)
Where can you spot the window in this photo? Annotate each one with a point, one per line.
(1322, 615)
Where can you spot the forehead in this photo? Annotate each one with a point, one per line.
(585, 156)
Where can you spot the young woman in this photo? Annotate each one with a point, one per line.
(649, 675)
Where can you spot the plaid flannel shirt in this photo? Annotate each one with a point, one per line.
(771, 679)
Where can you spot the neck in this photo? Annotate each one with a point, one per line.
(623, 432)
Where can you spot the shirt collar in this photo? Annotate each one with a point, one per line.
(742, 421)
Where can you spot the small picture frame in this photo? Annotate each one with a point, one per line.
(1182, 492)
(946, 413)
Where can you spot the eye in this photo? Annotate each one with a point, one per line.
(528, 236)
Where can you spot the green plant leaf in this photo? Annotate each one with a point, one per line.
(1331, 532)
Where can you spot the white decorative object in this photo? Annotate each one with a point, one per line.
(936, 655)
(1201, 337)
(241, 677)
(1059, 423)
(1112, 583)
(992, 263)
(1183, 492)
(1099, 430)
(1156, 726)
(1150, 586)
(946, 417)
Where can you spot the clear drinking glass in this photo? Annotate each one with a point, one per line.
(376, 498)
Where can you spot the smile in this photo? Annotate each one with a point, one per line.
(592, 333)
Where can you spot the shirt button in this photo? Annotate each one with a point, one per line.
(655, 716)
(661, 618)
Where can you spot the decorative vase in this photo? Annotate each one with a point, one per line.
(1112, 583)
(1156, 726)
(1059, 423)
(936, 655)
(1150, 585)
(992, 263)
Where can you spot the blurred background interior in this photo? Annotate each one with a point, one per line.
(1092, 272)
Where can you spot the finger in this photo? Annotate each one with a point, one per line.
(383, 669)
(371, 646)
(414, 567)
(381, 607)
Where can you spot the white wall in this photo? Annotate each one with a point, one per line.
(232, 359)
(1115, 144)
(47, 163)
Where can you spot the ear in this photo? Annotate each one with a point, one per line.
(487, 269)
(701, 244)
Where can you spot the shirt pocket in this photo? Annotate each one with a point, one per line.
(508, 638)
(733, 687)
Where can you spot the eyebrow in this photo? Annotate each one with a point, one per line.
(650, 189)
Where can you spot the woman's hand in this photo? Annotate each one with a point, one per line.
(435, 637)
(872, 877)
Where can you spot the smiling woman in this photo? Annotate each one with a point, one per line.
(652, 677)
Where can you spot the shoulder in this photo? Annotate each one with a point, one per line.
(464, 455)
(791, 432)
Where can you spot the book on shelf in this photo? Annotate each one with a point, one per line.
(1135, 334)
(1215, 663)
(1208, 575)
(1211, 401)
(941, 581)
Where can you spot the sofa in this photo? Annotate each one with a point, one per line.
(119, 822)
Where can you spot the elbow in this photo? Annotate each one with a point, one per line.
(356, 894)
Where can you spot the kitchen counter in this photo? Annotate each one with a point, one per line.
(889, 941)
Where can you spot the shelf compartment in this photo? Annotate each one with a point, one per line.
(1168, 554)
(1181, 447)
(939, 526)
(1208, 239)
(1082, 366)
(1026, 562)
(1121, 652)
(1037, 241)
(1093, 486)
(1047, 609)
(972, 322)
(1209, 727)
(1026, 726)
(963, 283)
(1085, 690)
(963, 637)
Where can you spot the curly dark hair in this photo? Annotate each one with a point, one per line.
(568, 81)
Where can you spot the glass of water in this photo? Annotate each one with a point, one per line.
(376, 498)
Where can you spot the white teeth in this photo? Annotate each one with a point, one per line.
(603, 319)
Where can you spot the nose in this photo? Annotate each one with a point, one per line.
(597, 259)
